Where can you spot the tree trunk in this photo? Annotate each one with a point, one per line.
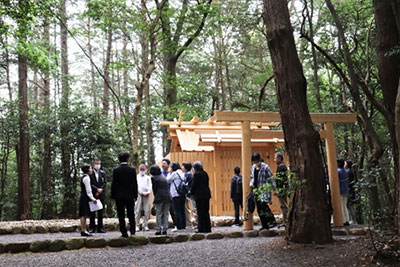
(47, 187)
(90, 50)
(68, 207)
(24, 204)
(106, 91)
(388, 37)
(315, 61)
(171, 42)
(364, 119)
(309, 218)
(397, 183)
(7, 56)
(125, 75)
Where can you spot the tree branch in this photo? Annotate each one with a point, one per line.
(199, 29)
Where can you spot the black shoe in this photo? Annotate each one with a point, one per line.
(346, 224)
(133, 233)
(124, 235)
(164, 232)
(86, 234)
(158, 233)
(91, 230)
(272, 225)
(101, 231)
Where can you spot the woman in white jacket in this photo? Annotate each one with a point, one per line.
(143, 201)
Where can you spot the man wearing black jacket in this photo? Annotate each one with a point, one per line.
(98, 182)
(124, 190)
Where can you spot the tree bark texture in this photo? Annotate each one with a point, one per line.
(47, 187)
(90, 51)
(24, 204)
(309, 217)
(69, 207)
(106, 89)
(314, 60)
(388, 38)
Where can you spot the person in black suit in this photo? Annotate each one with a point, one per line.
(124, 190)
(201, 193)
(98, 182)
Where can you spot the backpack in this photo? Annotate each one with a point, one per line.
(182, 188)
(239, 186)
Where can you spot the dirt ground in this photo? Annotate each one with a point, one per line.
(344, 251)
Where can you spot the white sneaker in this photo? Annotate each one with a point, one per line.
(146, 228)
(137, 229)
(174, 230)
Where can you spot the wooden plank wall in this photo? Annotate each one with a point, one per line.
(207, 159)
(219, 165)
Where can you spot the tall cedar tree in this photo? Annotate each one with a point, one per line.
(309, 218)
(24, 205)
(387, 39)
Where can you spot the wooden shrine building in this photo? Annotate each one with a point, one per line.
(228, 139)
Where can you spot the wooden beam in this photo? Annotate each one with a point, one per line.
(246, 164)
(195, 120)
(211, 120)
(333, 175)
(276, 117)
(225, 123)
(180, 117)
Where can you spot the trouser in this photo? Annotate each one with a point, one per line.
(92, 224)
(179, 209)
(345, 211)
(284, 206)
(203, 215)
(352, 213)
(172, 213)
(194, 210)
(265, 214)
(162, 210)
(142, 203)
(129, 205)
(237, 204)
(187, 212)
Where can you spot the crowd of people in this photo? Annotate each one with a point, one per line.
(174, 190)
(177, 188)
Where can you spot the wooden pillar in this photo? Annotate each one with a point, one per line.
(333, 175)
(218, 182)
(246, 164)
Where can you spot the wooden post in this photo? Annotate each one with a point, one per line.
(246, 164)
(333, 175)
(180, 117)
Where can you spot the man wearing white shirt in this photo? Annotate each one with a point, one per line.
(143, 201)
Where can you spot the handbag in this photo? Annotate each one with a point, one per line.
(153, 211)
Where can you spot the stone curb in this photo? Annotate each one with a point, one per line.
(79, 242)
(68, 226)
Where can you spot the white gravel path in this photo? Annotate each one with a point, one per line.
(225, 252)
